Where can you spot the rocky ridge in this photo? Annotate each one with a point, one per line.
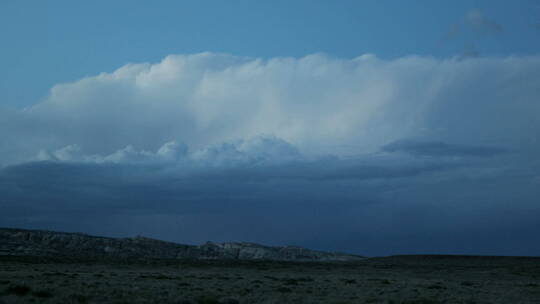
(50, 243)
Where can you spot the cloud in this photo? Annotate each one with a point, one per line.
(469, 51)
(470, 32)
(319, 104)
(253, 151)
(367, 206)
(435, 148)
(219, 147)
(170, 151)
(474, 22)
(477, 21)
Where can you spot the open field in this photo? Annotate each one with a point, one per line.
(400, 279)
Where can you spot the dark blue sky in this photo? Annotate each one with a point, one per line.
(374, 127)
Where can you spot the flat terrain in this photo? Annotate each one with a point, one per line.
(400, 279)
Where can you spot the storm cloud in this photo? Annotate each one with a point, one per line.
(367, 155)
(436, 148)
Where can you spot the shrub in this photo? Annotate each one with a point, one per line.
(421, 301)
(42, 294)
(291, 282)
(207, 300)
(435, 286)
(284, 289)
(78, 298)
(19, 290)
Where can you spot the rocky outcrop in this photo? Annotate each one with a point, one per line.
(50, 243)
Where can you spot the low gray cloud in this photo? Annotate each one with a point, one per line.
(437, 148)
(331, 204)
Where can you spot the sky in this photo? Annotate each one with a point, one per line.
(371, 127)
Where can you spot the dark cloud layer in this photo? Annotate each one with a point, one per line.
(436, 148)
(331, 204)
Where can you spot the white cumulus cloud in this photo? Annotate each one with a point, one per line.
(318, 104)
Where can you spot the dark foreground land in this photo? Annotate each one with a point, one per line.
(400, 279)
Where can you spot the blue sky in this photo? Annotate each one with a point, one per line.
(45, 43)
(374, 127)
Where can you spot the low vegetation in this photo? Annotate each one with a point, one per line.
(393, 280)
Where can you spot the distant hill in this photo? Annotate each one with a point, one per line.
(51, 243)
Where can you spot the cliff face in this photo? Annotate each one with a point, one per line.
(50, 243)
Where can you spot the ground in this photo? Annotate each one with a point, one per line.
(404, 279)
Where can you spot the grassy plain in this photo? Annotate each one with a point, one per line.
(399, 279)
